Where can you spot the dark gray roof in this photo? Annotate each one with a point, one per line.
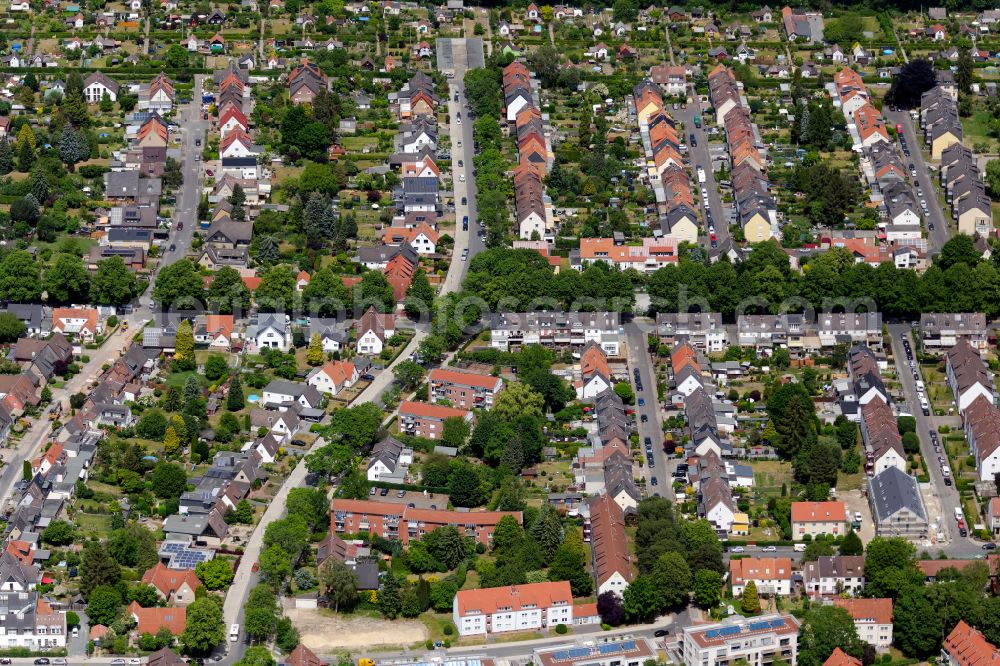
(892, 491)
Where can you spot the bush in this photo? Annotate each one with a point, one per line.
(560, 628)
(448, 630)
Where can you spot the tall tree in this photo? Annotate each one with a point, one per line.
(67, 281)
(824, 628)
(184, 345)
(113, 283)
(914, 79)
(750, 602)
(419, 296)
(204, 629)
(74, 104)
(20, 278)
(318, 220)
(966, 71)
(179, 285)
(325, 295)
(276, 291)
(338, 583)
(228, 294)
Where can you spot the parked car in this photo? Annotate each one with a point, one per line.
(738, 549)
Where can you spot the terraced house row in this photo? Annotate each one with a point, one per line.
(965, 191)
(755, 207)
(534, 215)
(665, 168)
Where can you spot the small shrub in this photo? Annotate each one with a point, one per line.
(448, 630)
(560, 628)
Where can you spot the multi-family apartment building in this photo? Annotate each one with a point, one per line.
(815, 518)
(467, 390)
(834, 574)
(897, 507)
(968, 375)
(407, 523)
(872, 618)
(760, 641)
(421, 419)
(556, 329)
(704, 330)
(771, 575)
(944, 329)
(513, 608)
(966, 646)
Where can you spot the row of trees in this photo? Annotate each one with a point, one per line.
(66, 280)
(764, 282)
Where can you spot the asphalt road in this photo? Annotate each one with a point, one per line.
(942, 224)
(947, 495)
(638, 358)
(700, 156)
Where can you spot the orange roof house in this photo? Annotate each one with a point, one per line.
(151, 620)
(966, 646)
(399, 272)
(840, 658)
(177, 586)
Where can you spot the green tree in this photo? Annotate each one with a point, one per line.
(151, 425)
(133, 546)
(234, 399)
(216, 367)
(291, 534)
(517, 399)
(59, 533)
(11, 328)
(113, 283)
(966, 71)
(570, 563)
(338, 583)
(890, 567)
(547, 532)
(72, 148)
(852, 545)
(276, 291)
(390, 603)
(6, 158)
(825, 628)
(310, 504)
(215, 574)
(168, 480)
(625, 392)
(97, 568)
(465, 486)
(640, 600)
(184, 345)
(419, 296)
(204, 629)
(456, 432)
(275, 565)
(375, 290)
(325, 295)
(20, 278)
(707, 588)
(104, 605)
(179, 285)
(171, 442)
(672, 579)
(228, 294)
(750, 602)
(314, 353)
(447, 546)
(408, 374)
(177, 57)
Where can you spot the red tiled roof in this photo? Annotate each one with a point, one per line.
(878, 611)
(818, 512)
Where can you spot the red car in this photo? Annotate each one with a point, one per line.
(255, 568)
(899, 128)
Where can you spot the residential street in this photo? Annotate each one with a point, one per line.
(942, 223)
(700, 156)
(638, 357)
(947, 495)
(245, 578)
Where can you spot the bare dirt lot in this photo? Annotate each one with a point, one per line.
(324, 632)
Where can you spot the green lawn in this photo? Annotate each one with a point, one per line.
(180, 378)
(94, 524)
(977, 128)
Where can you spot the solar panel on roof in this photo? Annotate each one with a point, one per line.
(628, 645)
(780, 622)
(608, 648)
(729, 631)
(712, 633)
(759, 626)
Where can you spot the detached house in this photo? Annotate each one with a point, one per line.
(373, 330)
(333, 377)
(84, 323)
(97, 85)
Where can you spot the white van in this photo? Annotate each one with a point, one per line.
(234, 633)
(799, 547)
